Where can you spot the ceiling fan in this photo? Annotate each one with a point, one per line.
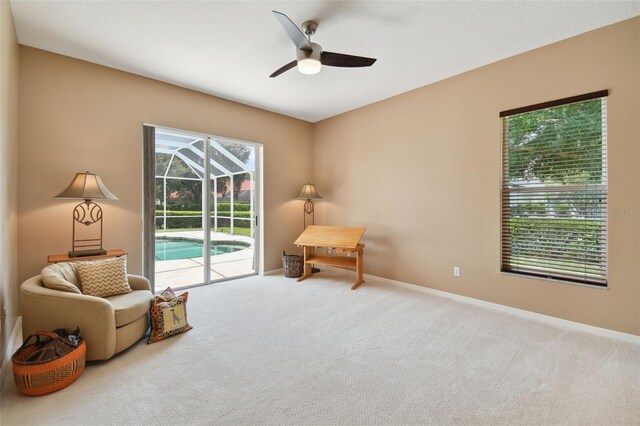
(310, 56)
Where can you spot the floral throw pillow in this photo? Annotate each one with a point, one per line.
(168, 315)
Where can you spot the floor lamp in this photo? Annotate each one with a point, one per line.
(309, 194)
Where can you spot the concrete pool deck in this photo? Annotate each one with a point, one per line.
(187, 272)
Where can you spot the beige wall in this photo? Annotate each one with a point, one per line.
(77, 116)
(422, 172)
(8, 175)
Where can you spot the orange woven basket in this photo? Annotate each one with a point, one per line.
(48, 375)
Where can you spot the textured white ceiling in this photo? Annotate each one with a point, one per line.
(229, 48)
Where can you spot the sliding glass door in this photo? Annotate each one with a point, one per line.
(233, 204)
(205, 210)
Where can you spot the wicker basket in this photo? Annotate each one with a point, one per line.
(293, 265)
(62, 363)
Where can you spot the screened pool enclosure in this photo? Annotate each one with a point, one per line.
(205, 208)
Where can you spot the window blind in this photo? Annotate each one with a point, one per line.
(554, 189)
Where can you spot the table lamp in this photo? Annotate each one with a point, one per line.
(308, 193)
(88, 187)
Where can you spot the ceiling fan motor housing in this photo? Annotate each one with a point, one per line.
(305, 54)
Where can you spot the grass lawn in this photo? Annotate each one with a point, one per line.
(236, 231)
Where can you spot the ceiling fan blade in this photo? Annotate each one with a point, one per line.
(283, 69)
(293, 31)
(349, 61)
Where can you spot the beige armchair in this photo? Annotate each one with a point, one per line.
(109, 325)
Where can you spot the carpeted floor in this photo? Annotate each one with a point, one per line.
(269, 350)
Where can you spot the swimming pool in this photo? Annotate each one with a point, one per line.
(176, 248)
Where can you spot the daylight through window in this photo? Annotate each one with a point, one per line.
(554, 189)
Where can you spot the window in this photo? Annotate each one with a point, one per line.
(554, 189)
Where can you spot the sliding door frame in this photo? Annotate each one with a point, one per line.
(149, 185)
(149, 204)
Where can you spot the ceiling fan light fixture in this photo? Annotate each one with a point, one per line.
(309, 66)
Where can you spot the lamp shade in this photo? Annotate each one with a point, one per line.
(87, 186)
(309, 192)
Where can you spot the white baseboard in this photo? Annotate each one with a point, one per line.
(605, 332)
(10, 348)
(626, 337)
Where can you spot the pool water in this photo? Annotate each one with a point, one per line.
(174, 249)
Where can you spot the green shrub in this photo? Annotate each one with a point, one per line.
(193, 220)
(235, 214)
(193, 207)
(576, 246)
(174, 206)
(238, 207)
(179, 222)
(179, 213)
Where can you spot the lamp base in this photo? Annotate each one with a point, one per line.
(82, 253)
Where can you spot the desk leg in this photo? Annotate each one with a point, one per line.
(359, 264)
(307, 266)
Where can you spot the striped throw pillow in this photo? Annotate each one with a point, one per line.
(104, 278)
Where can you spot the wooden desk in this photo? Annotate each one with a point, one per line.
(345, 240)
(55, 258)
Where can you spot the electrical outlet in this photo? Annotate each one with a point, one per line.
(456, 271)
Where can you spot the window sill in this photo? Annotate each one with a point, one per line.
(533, 277)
